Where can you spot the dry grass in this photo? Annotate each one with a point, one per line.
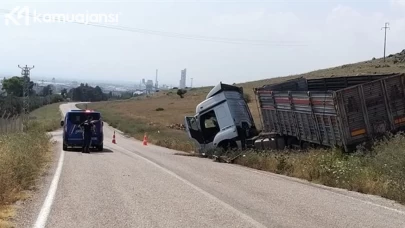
(6, 213)
(379, 172)
(23, 158)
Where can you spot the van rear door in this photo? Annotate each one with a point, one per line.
(76, 118)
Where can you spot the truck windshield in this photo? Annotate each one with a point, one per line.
(78, 118)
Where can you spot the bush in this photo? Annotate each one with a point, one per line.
(160, 109)
(181, 92)
(247, 98)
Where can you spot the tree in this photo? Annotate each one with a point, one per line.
(64, 93)
(47, 90)
(14, 86)
(87, 93)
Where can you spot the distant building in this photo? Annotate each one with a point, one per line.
(138, 92)
(183, 79)
(149, 87)
(116, 93)
(38, 88)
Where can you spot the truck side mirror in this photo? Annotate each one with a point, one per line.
(62, 123)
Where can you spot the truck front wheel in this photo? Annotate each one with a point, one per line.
(228, 145)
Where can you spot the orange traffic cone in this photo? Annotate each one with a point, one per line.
(145, 140)
(113, 140)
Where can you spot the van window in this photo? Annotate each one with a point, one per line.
(78, 118)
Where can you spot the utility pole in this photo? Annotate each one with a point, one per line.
(191, 83)
(156, 81)
(25, 73)
(385, 37)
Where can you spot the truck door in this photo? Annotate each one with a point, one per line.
(194, 131)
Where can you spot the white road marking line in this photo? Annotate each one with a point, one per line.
(46, 207)
(227, 206)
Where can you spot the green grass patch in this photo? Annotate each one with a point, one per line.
(47, 117)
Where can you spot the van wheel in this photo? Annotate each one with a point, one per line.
(100, 148)
(65, 148)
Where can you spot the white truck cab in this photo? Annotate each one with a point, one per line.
(222, 120)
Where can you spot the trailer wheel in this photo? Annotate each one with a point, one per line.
(305, 145)
(292, 142)
(228, 145)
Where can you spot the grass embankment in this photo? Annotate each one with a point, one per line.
(380, 171)
(24, 157)
(48, 117)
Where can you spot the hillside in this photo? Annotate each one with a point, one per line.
(165, 110)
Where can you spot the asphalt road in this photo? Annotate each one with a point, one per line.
(131, 185)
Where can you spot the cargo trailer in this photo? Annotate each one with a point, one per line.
(336, 111)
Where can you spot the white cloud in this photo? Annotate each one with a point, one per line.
(239, 19)
(400, 3)
(398, 6)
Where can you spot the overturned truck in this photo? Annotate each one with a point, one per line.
(333, 112)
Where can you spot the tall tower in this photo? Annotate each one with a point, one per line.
(183, 79)
(156, 81)
(25, 73)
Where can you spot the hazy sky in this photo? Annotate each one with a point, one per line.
(332, 32)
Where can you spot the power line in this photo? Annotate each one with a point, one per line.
(174, 35)
(385, 36)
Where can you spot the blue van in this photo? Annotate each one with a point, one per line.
(73, 134)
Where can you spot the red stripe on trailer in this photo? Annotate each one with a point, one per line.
(301, 101)
(268, 108)
(266, 92)
(282, 100)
